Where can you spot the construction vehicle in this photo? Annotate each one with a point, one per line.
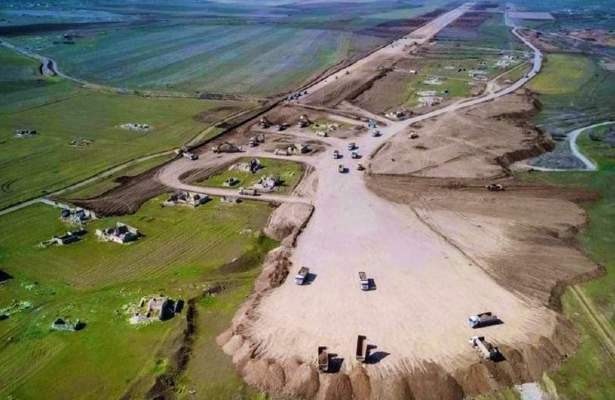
(360, 167)
(482, 320)
(362, 349)
(248, 192)
(301, 276)
(376, 133)
(336, 154)
(486, 349)
(264, 123)
(304, 122)
(355, 155)
(282, 127)
(363, 281)
(352, 146)
(341, 169)
(414, 135)
(190, 156)
(323, 359)
(495, 187)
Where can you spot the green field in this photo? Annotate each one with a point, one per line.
(590, 372)
(575, 92)
(180, 253)
(563, 74)
(290, 172)
(33, 166)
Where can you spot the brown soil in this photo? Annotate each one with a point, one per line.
(533, 227)
(477, 143)
(126, 198)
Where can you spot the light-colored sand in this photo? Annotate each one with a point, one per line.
(425, 287)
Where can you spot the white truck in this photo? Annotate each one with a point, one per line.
(363, 281)
(483, 319)
(486, 349)
(302, 275)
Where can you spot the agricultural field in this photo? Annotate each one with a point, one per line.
(94, 281)
(575, 91)
(458, 64)
(590, 372)
(240, 48)
(79, 131)
(290, 172)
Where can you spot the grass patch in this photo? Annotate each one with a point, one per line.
(563, 74)
(290, 172)
(182, 251)
(590, 373)
(80, 135)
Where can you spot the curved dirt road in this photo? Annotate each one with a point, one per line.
(425, 287)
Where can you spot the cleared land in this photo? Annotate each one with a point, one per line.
(183, 251)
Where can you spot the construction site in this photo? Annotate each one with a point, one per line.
(411, 261)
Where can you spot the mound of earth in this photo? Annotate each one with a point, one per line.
(474, 143)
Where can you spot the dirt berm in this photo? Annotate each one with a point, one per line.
(523, 238)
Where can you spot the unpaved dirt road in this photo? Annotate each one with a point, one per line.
(425, 287)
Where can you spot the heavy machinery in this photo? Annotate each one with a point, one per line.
(264, 123)
(323, 359)
(355, 155)
(301, 276)
(494, 187)
(336, 154)
(363, 281)
(304, 122)
(361, 353)
(248, 192)
(486, 349)
(360, 167)
(341, 169)
(352, 146)
(482, 320)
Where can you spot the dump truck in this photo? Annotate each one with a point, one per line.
(414, 135)
(336, 154)
(352, 146)
(341, 169)
(360, 167)
(301, 276)
(323, 359)
(282, 127)
(363, 281)
(355, 155)
(361, 352)
(376, 133)
(248, 192)
(494, 187)
(264, 123)
(304, 122)
(483, 319)
(486, 349)
(190, 156)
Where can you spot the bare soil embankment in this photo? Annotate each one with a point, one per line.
(523, 238)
